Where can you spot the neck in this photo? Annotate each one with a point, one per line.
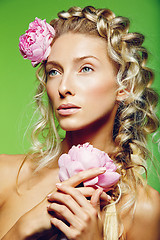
(99, 134)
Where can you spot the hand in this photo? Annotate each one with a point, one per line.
(86, 191)
(70, 207)
(75, 216)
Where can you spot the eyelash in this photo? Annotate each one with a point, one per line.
(56, 72)
(89, 68)
(52, 70)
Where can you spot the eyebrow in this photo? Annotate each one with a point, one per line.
(55, 63)
(83, 58)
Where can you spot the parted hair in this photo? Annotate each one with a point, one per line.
(135, 117)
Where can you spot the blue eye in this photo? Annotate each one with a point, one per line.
(86, 69)
(53, 72)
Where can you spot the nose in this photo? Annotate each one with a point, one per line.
(66, 86)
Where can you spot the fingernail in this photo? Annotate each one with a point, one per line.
(58, 184)
(109, 198)
(102, 169)
(49, 195)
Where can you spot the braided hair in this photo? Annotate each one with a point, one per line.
(135, 117)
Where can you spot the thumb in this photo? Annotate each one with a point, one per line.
(95, 199)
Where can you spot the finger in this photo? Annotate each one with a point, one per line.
(95, 199)
(95, 202)
(83, 176)
(88, 192)
(69, 202)
(64, 213)
(75, 194)
(69, 232)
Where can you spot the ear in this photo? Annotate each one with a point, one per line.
(122, 95)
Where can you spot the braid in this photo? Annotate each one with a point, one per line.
(135, 117)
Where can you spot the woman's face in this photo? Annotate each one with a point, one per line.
(81, 80)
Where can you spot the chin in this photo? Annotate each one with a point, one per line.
(72, 126)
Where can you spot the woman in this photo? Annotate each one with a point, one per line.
(99, 90)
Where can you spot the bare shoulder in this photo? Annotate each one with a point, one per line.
(147, 215)
(9, 165)
(148, 202)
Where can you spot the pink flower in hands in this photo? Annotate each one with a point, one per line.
(35, 43)
(83, 157)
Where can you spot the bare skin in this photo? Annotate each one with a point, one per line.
(80, 74)
(14, 207)
(33, 200)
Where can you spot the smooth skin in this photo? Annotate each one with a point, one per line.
(82, 74)
(78, 212)
(33, 220)
(79, 73)
(27, 216)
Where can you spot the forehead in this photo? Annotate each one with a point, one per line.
(71, 45)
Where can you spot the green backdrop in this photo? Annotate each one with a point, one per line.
(17, 84)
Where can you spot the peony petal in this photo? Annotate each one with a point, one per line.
(102, 156)
(83, 157)
(35, 43)
(74, 153)
(108, 179)
(88, 159)
(51, 29)
(91, 182)
(64, 160)
(63, 174)
(74, 167)
(37, 54)
(46, 54)
(33, 63)
(110, 166)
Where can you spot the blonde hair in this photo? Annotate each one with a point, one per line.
(135, 117)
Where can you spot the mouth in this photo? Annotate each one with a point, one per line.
(68, 109)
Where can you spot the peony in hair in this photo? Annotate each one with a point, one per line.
(35, 43)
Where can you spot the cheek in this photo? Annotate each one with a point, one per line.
(107, 90)
(50, 92)
(101, 99)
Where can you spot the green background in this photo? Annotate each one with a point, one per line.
(17, 84)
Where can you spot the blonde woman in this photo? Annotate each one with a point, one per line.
(98, 87)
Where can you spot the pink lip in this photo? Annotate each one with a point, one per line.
(67, 109)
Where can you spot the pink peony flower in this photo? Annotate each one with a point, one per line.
(83, 157)
(35, 43)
